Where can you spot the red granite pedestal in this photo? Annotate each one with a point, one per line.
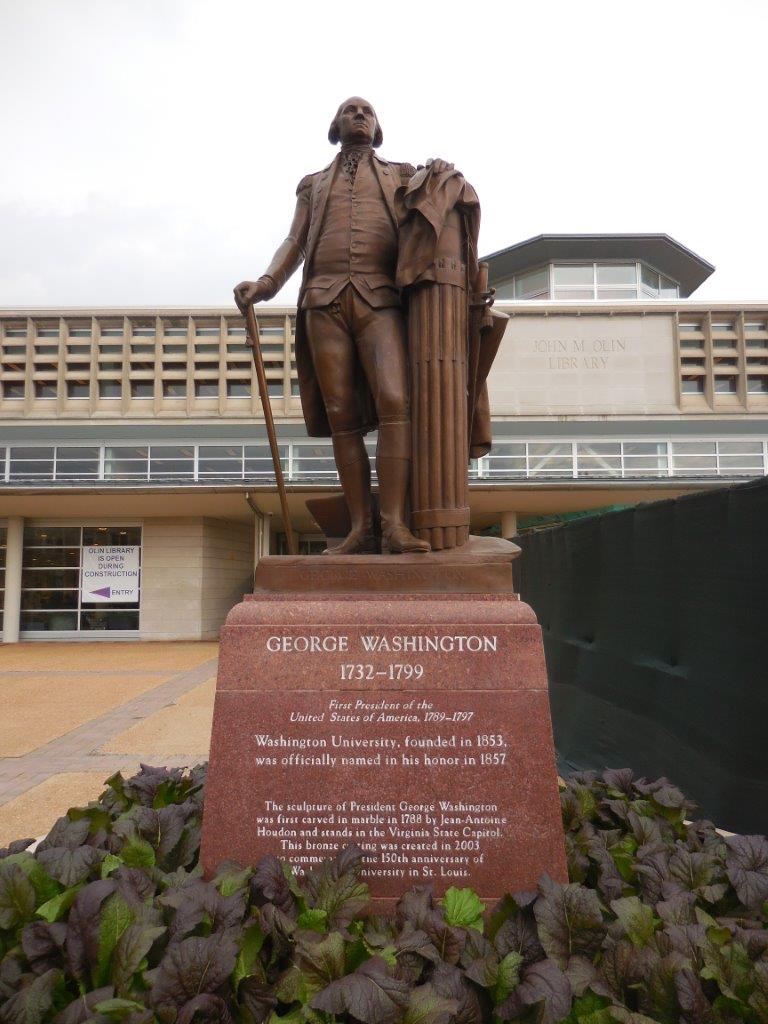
(416, 725)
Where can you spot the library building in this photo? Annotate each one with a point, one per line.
(137, 490)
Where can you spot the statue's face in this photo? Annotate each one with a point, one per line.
(357, 121)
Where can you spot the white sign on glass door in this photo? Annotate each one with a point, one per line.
(110, 573)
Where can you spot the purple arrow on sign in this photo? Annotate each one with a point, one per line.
(104, 592)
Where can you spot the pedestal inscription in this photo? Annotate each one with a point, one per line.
(428, 745)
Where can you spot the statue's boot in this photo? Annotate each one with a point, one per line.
(393, 465)
(354, 470)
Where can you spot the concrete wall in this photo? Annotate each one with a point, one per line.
(172, 579)
(193, 571)
(227, 563)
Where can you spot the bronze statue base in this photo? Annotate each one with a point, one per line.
(481, 566)
(330, 702)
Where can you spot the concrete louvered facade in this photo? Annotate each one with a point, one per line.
(141, 429)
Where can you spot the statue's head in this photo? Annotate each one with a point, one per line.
(356, 122)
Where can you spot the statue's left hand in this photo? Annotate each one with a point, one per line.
(438, 165)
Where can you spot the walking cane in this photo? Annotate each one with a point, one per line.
(252, 334)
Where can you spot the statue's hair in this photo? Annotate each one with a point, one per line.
(334, 134)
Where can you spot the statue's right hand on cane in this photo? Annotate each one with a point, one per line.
(248, 292)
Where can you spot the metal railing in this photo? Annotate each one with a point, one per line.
(305, 461)
(626, 459)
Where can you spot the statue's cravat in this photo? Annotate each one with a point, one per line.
(350, 160)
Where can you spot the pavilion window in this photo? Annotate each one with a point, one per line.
(533, 285)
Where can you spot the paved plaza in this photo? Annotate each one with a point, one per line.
(73, 714)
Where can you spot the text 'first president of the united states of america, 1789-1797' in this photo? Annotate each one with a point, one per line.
(351, 339)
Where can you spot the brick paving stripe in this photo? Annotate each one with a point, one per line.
(77, 750)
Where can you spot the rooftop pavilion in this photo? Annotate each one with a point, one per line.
(612, 267)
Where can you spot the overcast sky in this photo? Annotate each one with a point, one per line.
(150, 149)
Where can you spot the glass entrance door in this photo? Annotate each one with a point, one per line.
(55, 598)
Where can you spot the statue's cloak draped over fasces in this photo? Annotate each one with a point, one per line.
(422, 207)
(430, 206)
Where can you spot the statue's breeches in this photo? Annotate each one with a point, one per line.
(347, 338)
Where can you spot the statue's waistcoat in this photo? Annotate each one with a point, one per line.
(357, 243)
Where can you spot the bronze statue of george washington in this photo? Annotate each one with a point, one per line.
(351, 341)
